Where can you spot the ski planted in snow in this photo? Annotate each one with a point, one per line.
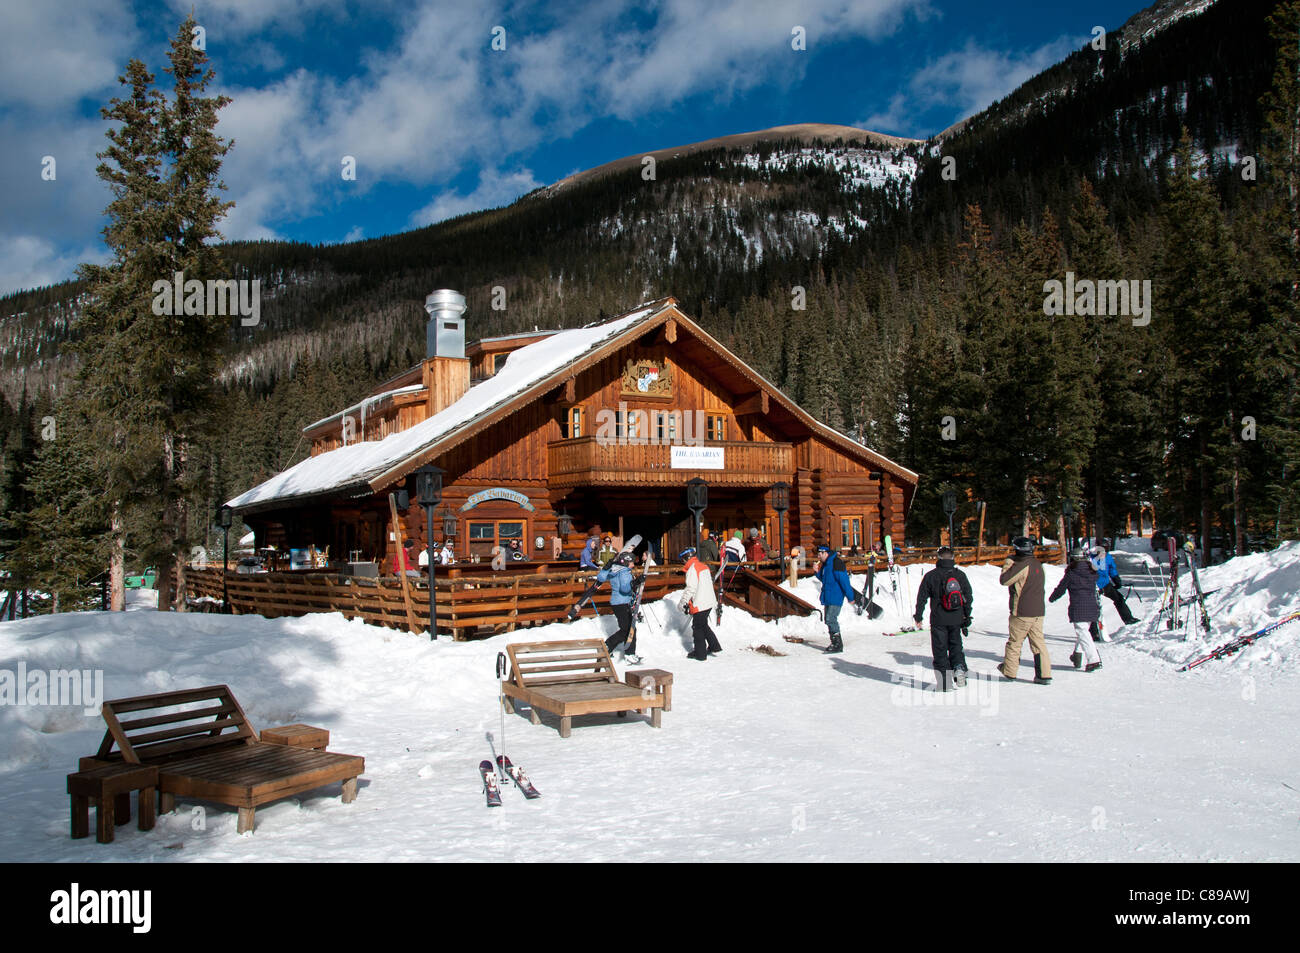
(1241, 642)
(517, 775)
(1196, 586)
(490, 786)
(1173, 582)
(589, 594)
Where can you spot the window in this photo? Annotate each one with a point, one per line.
(717, 427)
(851, 532)
(575, 422)
(485, 534)
(667, 426)
(498, 362)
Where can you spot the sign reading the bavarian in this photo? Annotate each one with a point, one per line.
(497, 493)
(697, 458)
(647, 378)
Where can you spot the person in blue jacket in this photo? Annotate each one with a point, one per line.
(836, 587)
(1108, 583)
(587, 560)
(622, 589)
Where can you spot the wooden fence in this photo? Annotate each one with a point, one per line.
(470, 604)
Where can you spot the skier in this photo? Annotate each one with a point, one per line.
(734, 550)
(1080, 580)
(708, 547)
(587, 560)
(1108, 583)
(699, 600)
(1023, 575)
(621, 593)
(836, 587)
(948, 591)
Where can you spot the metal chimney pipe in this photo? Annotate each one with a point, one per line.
(445, 335)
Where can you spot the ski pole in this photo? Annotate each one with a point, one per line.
(501, 699)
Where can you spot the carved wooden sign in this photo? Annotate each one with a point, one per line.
(647, 378)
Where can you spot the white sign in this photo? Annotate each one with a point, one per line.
(697, 458)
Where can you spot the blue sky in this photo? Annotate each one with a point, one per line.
(440, 123)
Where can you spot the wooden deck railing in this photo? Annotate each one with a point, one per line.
(477, 603)
(589, 461)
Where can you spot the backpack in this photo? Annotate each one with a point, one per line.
(950, 596)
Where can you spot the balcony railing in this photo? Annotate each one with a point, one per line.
(587, 461)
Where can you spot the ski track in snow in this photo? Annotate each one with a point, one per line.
(802, 758)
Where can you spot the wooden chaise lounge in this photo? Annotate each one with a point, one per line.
(205, 748)
(574, 677)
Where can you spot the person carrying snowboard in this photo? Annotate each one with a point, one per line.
(1080, 580)
(698, 601)
(621, 592)
(1023, 575)
(947, 590)
(1108, 583)
(836, 587)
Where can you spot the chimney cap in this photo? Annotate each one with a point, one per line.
(445, 299)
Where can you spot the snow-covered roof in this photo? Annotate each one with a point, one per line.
(361, 405)
(350, 469)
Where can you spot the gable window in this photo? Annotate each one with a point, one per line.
(574, 420)
(717, 427)
(666, 426)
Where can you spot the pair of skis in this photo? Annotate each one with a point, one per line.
(1196, 585)
(589, 594)
(492, 787)
(1241, 642)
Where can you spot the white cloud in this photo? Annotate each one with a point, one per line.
(55, 52)
(967, 80)
(494, 189)
(30, 261)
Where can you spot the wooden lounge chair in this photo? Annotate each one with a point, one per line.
(574, 677)
(205, 748)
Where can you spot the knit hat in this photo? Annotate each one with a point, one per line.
(737, 535)
(686, 553)
(823, 548)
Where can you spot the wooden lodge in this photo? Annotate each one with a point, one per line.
(603, 424)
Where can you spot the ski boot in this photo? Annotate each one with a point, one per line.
(835, 648)
(1094, 666)
(959, 677)
(1076, 660)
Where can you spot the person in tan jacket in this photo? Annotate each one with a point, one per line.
(1023, 575)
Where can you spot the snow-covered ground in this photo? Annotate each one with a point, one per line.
(800, 757)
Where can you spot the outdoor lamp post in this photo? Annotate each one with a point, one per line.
(949, 508)
(697, 501)
(564, 525)
(781, 503)
(665, 510)
(225, 519)
(428, 493)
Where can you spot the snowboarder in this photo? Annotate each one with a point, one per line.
(948, 591)
(621, 593)
(698, 600)
(1108, 583)
(836, 587)
(587, 560)
(1023, 575)
(1080, 580)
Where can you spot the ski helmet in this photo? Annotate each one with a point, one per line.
(1023, 545)
(686, 554)
(624, 559)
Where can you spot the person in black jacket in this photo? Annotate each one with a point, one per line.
(948, 591)
(1080, 580)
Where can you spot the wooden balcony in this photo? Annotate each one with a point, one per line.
(584, 461)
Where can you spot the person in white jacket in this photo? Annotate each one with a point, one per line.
(698, 600)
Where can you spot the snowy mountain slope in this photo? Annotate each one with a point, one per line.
(799, 757)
